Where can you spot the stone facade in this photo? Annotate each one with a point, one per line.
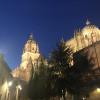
(31, 58)
(84, 37)
(87, 41)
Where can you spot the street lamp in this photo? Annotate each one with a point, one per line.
(98, 90)
(84, 98)
(18, 87)
(9, 84)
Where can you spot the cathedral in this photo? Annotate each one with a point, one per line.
(84, 37)
(86, 42)
(31, 59)
(31, 56)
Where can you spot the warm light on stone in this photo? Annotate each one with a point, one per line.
(84, 37)
(98, 90)
(29, 60)
(10, 83)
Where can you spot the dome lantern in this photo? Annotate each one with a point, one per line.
(31, 37)
(88, 22)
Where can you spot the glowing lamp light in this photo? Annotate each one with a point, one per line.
(98, 89)
(84, 98)
(19, 87)
(10, 84)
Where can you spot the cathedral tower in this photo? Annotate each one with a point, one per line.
(31, 50)
(30, 62)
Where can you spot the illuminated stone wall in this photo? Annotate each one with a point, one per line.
(29, 62)
(93, 54)
(84, 37)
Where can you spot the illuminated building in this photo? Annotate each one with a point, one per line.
(31, 59)
(84, 37)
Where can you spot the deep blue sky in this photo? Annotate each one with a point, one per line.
(49, 20)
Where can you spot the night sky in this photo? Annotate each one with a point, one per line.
(48, 20)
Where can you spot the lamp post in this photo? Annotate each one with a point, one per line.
(98, 90)
(9, 84)
(18, 87)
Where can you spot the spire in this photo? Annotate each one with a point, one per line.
(62, 40)
(30, 36)
(87, 22)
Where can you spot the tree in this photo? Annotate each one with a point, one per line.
(81, 74)
(38, 84)
(60, 67)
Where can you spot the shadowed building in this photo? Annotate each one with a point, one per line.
(84, 37)
(5, 72)
(86, 41)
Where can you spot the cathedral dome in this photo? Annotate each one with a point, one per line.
(31, 39)
(31, 45)
(89, 29)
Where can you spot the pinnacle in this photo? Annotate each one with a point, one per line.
(87, 22)
(31, 36)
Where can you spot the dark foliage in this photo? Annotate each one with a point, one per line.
(60, 67)
(61, 76)
(81, 74)
(38, 84)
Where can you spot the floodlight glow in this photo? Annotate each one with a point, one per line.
(20, 87)
(98, 89)
(84, 98)
(10, 84)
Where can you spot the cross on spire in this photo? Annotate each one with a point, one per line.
(87, 22)
(30, 36)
